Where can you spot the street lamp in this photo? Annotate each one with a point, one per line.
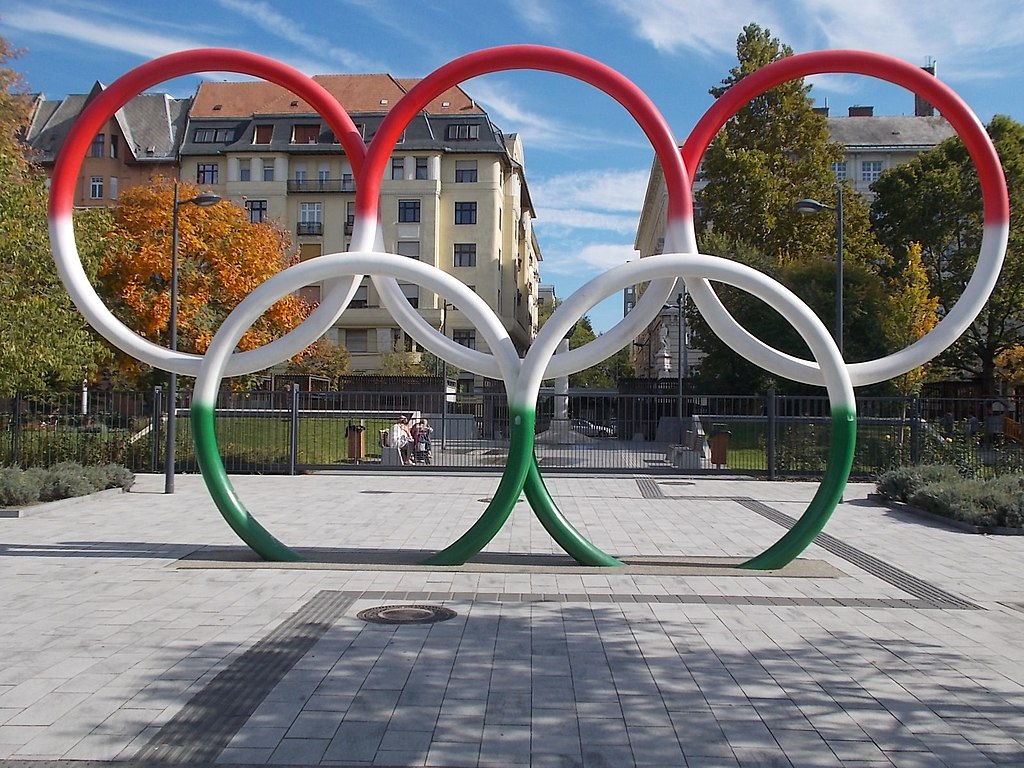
(682, 364)
(204, 200)
(808, 206)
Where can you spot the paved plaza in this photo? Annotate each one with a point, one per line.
(136, 629)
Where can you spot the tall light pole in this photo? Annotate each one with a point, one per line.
(808, 206)
(682, 364)
(204, 199)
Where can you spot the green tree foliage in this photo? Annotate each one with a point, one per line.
(604, 375)
(911, 314)
(44, 341)
(402, 364)
(935, 201)
(322, 358)
(773, 152)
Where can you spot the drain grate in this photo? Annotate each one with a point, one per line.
(406, 614)
(649, 489)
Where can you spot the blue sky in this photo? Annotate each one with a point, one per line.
(587, 162)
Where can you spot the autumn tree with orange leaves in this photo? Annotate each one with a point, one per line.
(222, 257)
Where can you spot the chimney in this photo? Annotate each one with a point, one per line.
(862, 111)
(823, 111)
(921, 107)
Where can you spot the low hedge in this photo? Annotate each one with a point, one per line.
(993, 502)
(65, 480)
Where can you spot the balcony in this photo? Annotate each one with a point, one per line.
(327, 185)
(309, 228)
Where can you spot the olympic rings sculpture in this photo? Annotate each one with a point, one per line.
(522, 376)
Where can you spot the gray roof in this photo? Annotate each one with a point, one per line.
(909, 133)
(151, 124)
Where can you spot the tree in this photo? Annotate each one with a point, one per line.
(322, 358)
(402, 364)
(911, 314)
(44, 341)
(773, 152)
(604, 375)
(935, 201)
(222, 257)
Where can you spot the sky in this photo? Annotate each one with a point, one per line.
(587, 162)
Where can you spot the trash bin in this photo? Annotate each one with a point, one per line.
(356, 441)
(719, 445)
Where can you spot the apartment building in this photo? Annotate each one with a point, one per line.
(140, 141)
(455, 196)
(873, 144)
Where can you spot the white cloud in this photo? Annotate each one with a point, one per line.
(563, 219)
(288, 29)
(671, 26)
(135, 40)
(506, 109)
(591, 258)
(605, 190)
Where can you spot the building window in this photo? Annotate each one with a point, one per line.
(113, 187)
(397, 168)
(870, 170)
(311, 212)
(465, 255)
(323, 174)
(212, 135)
(465, 213)
(410, 248)
(244, 171)
(465, 338)
(96, 187)
(411, 291)
(465, 171)
(310, 219)
(113, 146)
(463, 131)
(263, 134)
(96, 150)
(206, 173)
(268, 170)
(257, 210)
(305, 134)
(356, 339)
(361, 300)
(348, 183)
(408, 211)
(421, 168)
(300, 173)
(839, 169)
(350, 217)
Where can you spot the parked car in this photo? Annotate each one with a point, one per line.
(589, 429)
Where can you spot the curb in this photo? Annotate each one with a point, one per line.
(35, 509)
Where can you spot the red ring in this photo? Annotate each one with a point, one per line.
(536, 57)
(914, 79)
(121, 91)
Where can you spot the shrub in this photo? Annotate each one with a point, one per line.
(995, 502)
(902, 483)
(17, 488)
(61, 481)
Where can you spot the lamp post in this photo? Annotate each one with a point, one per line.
(808, 206)
(204, 199)
(682, 363)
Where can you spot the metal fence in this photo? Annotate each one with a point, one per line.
(300, 431)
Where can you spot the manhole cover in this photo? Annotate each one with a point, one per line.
(406, 614)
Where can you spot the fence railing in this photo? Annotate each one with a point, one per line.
(297, 431)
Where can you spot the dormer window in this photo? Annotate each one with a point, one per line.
(463, 132)
(306, 134)
(263, 134)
